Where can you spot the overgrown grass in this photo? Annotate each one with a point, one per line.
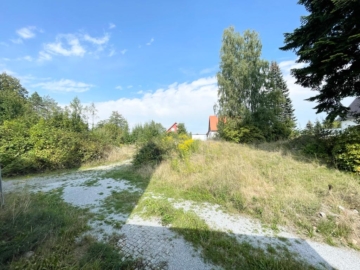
(270, 184)
(39, 231)
(114, 154)
(217, 247)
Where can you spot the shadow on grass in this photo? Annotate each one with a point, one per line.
(150, 243)
(170, 246)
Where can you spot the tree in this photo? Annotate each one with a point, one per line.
(242, 73)
(92, 110)
(253, 95)
(181, 129)
(328, 42)
(12, 98)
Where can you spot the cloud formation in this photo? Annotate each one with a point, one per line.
(190, 103)
(112, 25)
(97, 41)
(26, 32)
(150, 42)
(64, 85)
(72, 43)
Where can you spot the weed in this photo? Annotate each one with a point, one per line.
(121, 201)
(91, 183)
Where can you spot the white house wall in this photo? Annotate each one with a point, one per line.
(201, 137)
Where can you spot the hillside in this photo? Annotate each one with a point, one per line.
(224, 205)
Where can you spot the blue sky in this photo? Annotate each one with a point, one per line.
(148, 60)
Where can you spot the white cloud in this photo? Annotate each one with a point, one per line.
(124, 51)
(26, 32)
(16, 41)
(43, 56)
(64, 85)
(118, 87)
(190, 103)
(111, 25)
(112, 53)
(129, 86)
(97, 41)
(71, 41)
(150, 42)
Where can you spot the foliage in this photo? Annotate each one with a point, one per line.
(181, 129)
(328, 43)
(151, 153)
(186, 146)
(114, 131)
(144, 133)
(162, 148)
(242, 73)
(252, 92)
(236, 131)
(12, 98)
(346, 151)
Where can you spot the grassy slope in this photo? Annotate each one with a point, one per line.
(276, 187)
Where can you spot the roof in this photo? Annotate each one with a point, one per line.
(213, 121)
(173, 126)
(354, 108)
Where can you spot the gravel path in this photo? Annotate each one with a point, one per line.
(162, 248)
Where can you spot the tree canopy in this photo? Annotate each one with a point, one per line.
(328, 43)
(252, 95)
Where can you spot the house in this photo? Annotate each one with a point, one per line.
(173, 128)
(201, 137)
(212, 130)
(351, 116)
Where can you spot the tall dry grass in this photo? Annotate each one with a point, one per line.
(275, 186)
(113, 154)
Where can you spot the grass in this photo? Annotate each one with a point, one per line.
(277, 187)
(217, 247)
(47, 227)
(121, 201)
(115, 155)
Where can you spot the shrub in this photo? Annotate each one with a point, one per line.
(150, 153)
(346, 151)
(187, 146)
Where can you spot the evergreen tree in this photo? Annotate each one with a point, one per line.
(328, 43)
(276, 82)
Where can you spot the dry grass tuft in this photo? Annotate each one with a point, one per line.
(275, 186)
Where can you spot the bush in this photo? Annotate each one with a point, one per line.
(236, 131)
(346, 151)
(151, 153)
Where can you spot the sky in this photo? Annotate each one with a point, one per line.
(148, 60)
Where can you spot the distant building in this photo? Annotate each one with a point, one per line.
(173, 128)
(201, 137)
(212, 130)
(351, 116)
